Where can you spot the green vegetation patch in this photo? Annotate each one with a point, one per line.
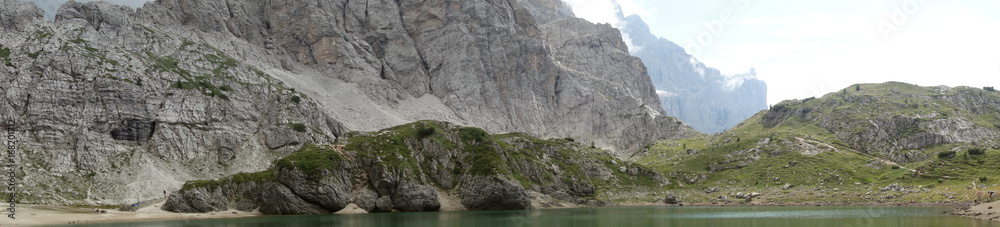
(254, 177)
(298, 127)
(5, 56)
(167, 64)
(36, 54)
(312, 160)
(389, 146)
(39, 35)
(471, 134)
(485, 161)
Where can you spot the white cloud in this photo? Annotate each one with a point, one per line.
(805, 55)
(607, 12)
(597, 11)
(664, 94)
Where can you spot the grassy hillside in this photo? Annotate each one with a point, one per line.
(866, 143)
(445, 157)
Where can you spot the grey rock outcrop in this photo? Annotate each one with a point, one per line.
(18, 16)
(671, 199)
(394, 170)
(697, 94)
(329, 190)
(493, 193)
(279, 200)
(412, 197)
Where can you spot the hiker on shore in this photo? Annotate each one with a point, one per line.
(979, 194)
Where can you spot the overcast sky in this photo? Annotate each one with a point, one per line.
(810, 48)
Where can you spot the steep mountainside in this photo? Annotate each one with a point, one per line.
(481, 63)
(114, 103)
(866, 143)
(699, 95)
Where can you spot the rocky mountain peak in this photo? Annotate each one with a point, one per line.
(18, 16)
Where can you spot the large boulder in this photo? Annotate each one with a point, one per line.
(493, 193)
(277, 199)
(415, 197)
(195, 200)
(330, 189)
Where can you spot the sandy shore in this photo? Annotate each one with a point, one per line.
(29, 215)
(985, 211)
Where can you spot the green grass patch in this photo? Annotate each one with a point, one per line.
(485, 161)
(39, 35)
(254, 177)
(36, 54)
(5, 56)
(298, 127)
(312, 160)
(473, 134)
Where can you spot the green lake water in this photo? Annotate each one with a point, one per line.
(615, 216)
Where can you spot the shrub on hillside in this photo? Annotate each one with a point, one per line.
(298, 127)
(423, 131)
(976, 151)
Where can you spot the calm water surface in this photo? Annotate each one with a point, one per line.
(616, 216)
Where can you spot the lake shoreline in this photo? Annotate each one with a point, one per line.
(34, 215)
(986, 211)
(57, 215)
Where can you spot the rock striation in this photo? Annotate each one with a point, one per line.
(116, 103)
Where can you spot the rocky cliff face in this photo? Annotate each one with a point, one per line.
(422, 166)
(116, 103)
(697, 94)
(482, 63)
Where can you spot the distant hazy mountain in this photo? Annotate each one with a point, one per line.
(691, 91)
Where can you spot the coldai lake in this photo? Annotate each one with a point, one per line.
(616, 216)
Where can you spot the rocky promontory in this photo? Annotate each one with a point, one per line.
(411, 167)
